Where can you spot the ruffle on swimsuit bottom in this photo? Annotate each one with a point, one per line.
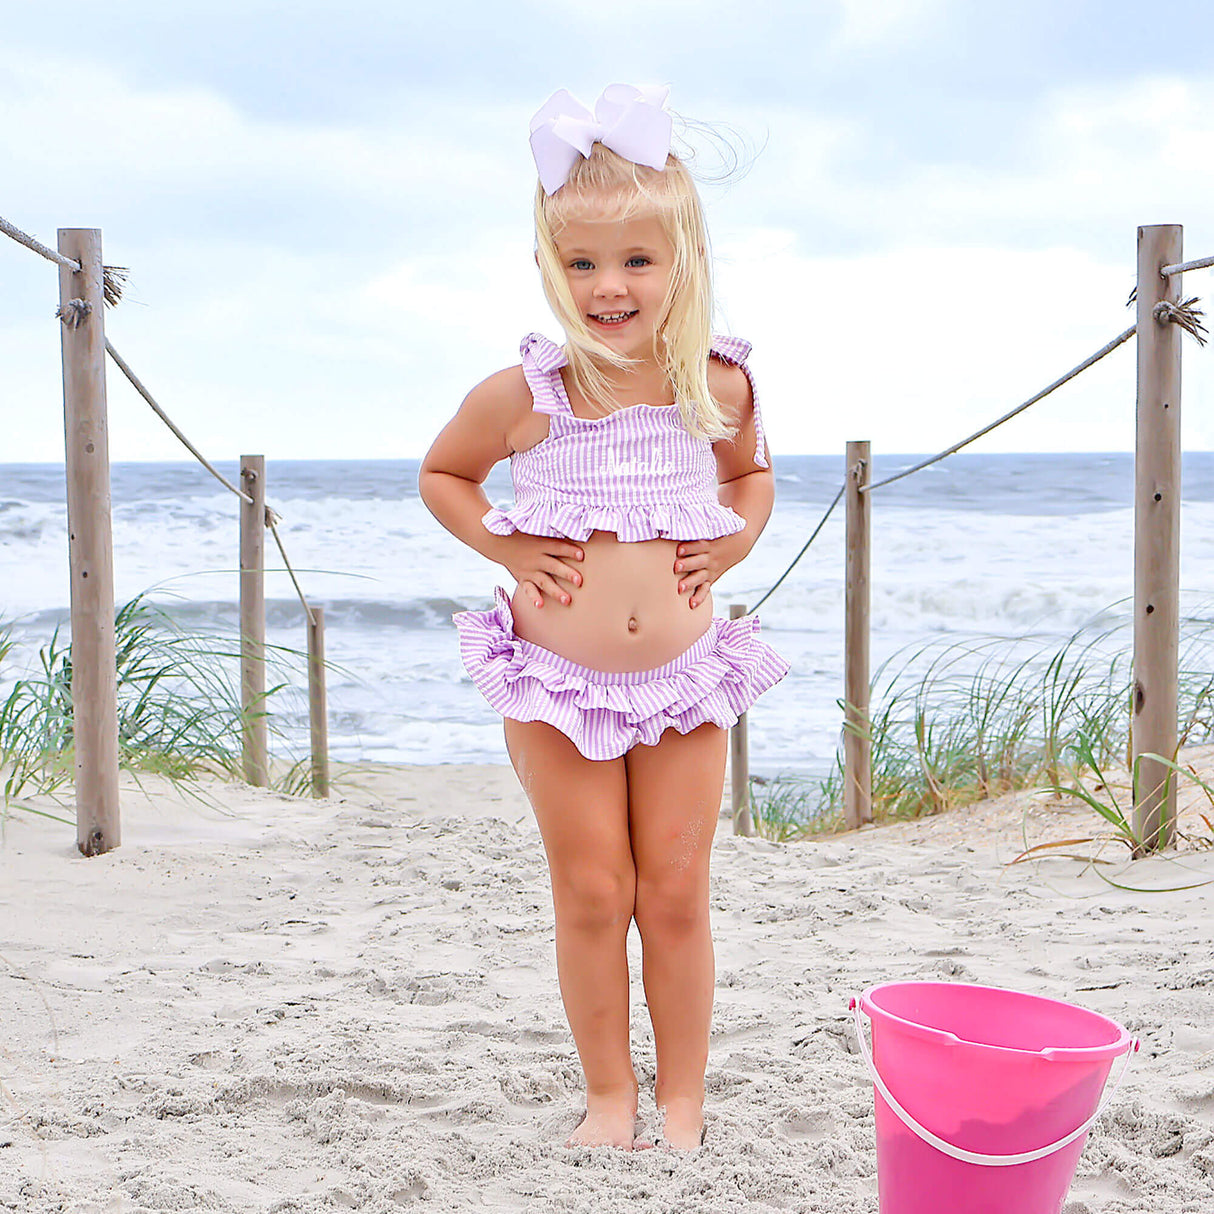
(639, 521)
(605, 714)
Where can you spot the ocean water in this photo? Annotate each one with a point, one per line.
(1027, 547)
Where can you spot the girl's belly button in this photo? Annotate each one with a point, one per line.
(633, 624)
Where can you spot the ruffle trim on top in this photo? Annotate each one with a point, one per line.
(631, 524)
(605, 714)
(541, 357)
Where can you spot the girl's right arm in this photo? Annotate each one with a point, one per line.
(455, 467)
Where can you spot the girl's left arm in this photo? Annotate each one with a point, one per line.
(743, 486)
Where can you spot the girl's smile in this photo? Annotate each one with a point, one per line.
(613, 320)
(618, 272)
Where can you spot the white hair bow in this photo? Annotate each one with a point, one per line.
(630, 121)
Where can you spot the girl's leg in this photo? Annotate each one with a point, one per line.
(674, 801)
(582, 809)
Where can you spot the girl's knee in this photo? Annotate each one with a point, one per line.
(676, 904)
(593, 898)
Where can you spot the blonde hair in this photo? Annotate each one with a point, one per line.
(605, 186)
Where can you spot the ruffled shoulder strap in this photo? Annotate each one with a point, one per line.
(542, 361)
(735, 350)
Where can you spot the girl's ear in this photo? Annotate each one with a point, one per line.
(536, 255)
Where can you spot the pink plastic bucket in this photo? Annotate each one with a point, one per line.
(983, 1096)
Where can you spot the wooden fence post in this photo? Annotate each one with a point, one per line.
(90, 543)
(857, 734)
(317, 710)
(1156, 538)
(255, 749)
(739, 761)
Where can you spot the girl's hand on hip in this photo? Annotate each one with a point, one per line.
(698, 563)
(544, 565)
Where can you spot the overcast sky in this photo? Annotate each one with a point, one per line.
(325, 207)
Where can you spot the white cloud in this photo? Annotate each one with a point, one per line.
(76, 133)
(1087, 167)
(1137, 138)
(867, 23)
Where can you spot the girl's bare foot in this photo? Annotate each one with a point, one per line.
(610, 1121)
(683, 1124)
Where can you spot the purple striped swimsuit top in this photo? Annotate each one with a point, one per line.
(636, 472)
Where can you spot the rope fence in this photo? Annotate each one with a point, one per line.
(85, 347)
(793, 564)
(106, 283)
(1200, 264)
(273, 518)
(113, 277)
(935, 459)
(30, 243)
(1185, 314)
(137, 384)
(1156, 555)
(75, 316)
(272, 521)
(1007, 417)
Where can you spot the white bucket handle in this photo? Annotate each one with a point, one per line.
(992, 1161)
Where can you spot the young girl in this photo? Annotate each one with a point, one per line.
(640, 475)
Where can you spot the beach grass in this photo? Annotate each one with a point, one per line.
(179, 707)
(1111, 800)
(964, 721)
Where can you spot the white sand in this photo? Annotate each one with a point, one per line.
(297, 1006)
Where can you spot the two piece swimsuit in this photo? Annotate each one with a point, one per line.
(636, 472)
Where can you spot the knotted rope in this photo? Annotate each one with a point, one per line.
(113, 278)
(74, 312)
(1183, 314)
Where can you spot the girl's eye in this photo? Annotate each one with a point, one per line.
(581, 264)
(638, 261)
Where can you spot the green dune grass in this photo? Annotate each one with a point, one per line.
(179, 710)
(960, 722)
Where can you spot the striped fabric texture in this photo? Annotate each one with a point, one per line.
(606, 714)
(636, 472)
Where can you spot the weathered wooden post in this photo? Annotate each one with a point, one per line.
(317, 709)
(739, 761)
(90, 543)
(1156, 537)
(255, 749)
(857, 733)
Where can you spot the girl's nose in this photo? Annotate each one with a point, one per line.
(608, 286)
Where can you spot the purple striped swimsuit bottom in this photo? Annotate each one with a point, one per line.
(717, 678)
